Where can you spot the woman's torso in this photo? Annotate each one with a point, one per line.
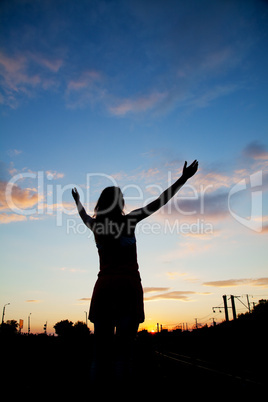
(116, 245)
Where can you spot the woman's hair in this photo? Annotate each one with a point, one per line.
(110, 204)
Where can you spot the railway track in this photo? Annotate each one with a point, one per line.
(212, 368)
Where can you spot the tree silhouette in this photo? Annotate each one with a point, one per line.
(9, 328)
(81, 329)
(63, 328)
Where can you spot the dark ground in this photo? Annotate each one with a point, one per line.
(215, 362)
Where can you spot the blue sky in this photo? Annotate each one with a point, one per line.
(131, 89)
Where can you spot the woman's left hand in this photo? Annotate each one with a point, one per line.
(189, 171)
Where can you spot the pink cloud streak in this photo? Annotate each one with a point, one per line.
(140, 104)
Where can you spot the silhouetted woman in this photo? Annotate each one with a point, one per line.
(117, 300)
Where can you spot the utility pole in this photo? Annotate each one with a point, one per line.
(196, 325)
(213, 322)
(225, 307)
(233, 307)
(4, 310)
(29, 323)
(248, 304)
(86, 317)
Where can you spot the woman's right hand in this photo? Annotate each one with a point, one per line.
(75, 195)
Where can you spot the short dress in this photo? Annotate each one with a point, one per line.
(118, 291)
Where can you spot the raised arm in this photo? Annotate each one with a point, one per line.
(141, 213)
(84, 216)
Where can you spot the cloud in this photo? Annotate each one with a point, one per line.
(218, 58)
(84, 81)
(154, 289)
(21, 198)
(265, 228)
(83, 301)
(22, 74)
(32, 301)
(14, 152)
(52, 64)
(175, 295)
(255, 150)
(156, 52)
(20, 204)
(174, 275)
(73, 270)
(86, 89)
(204, 201)
(262, 282)
(136, 105)
(212, 180)
(8, 218)
(119, 175)
(172, 295)
(185, 249)
(204, 196)
(145, 174)
(183, 275)
(152, 172)
(204, 99)
(210, 205)
(207, 195)
(137, 176)
(54, 175)
(194, 80)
